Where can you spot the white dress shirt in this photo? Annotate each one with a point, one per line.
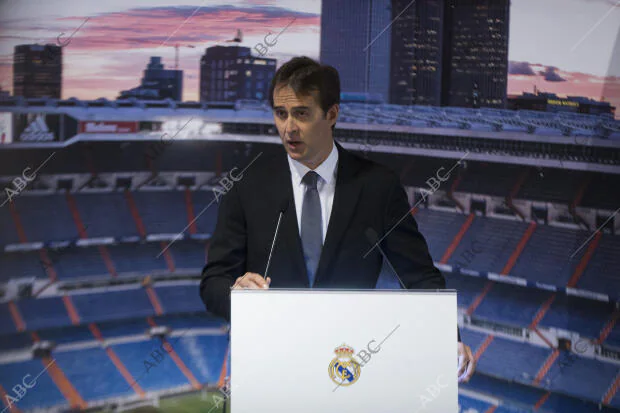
(326, 186)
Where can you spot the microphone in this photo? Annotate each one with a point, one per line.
(283, 207)
(373, 238)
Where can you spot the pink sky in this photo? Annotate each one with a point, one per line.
(110, 51)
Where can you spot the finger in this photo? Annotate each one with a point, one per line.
(259, 280)
(240, 282)
(462, 366)
(470, 363)
(253, 281)
(462, 376)
(462, 361)
(245, 276)
(250, 284)
(471, 367)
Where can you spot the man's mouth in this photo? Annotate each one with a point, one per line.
(294, 144)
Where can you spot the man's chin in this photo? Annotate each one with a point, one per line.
(296, 155)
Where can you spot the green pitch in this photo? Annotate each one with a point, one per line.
(212, 402)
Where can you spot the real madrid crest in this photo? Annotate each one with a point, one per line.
(343, 370)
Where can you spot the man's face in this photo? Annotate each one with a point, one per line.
(304, 130)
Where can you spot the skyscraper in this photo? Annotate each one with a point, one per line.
(157, 83)
(417, 47)
(37, 71)
(475, 72)
(355, 39)
(229, 73)
(449, 52)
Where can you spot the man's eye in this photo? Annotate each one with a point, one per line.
(302, 113)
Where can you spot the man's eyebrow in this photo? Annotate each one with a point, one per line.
(294, 108)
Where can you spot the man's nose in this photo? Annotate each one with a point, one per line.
(291, 127)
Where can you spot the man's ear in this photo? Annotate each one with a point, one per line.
(332, 113)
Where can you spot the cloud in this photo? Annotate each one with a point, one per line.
(551, 74)
(520, 68)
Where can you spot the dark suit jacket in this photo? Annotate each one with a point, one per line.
(367, 194)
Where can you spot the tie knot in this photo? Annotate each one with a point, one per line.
(310, 179)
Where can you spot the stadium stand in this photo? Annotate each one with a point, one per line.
(107, 287)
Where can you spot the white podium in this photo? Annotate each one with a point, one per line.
(354, 351)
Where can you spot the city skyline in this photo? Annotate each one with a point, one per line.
(559, 46)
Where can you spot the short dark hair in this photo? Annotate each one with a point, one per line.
(305, 75)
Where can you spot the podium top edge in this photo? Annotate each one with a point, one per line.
(343, 291)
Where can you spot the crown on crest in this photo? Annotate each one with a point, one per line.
(344, 351)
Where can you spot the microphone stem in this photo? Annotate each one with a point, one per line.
(273, 243)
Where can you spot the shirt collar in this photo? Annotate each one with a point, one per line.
(325, 170)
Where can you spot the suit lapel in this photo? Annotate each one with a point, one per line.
(289, 231)
(345, 200)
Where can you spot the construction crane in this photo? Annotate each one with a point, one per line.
(176, 54)
(238, 38)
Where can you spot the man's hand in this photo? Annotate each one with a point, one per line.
(252, 281)
(467, 363)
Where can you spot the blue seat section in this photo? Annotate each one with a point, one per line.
(77, 262)
(584, 316)
(439, 229)
(161, 211)
(582, 377)
(149, 370)
(44, 394)
(113, 305)
(113, 205)
(92, 373)
(41, 313)
(505, 390)
(205, 210)
(21, 264)
(615, 401)
(470, 405)
(46, 218)
(511, 304)
(602, 273)
(488, 244)
(472, 338)
(8, 235)
(467, 287)
(512, 360)
(121, 328)
(555, 265)
(14, 341)
(6, 321)
(137, 258)
(613, 339)
(561, 403)
(185, 321)
(189, 255)
(68, 334)
(180, 298)
(521, 394)
(203, 355)
(504, 408)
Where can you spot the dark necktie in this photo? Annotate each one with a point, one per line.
(311, 225)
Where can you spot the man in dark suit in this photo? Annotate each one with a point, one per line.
(329, 198)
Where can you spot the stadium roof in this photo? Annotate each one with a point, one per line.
(474, 120)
